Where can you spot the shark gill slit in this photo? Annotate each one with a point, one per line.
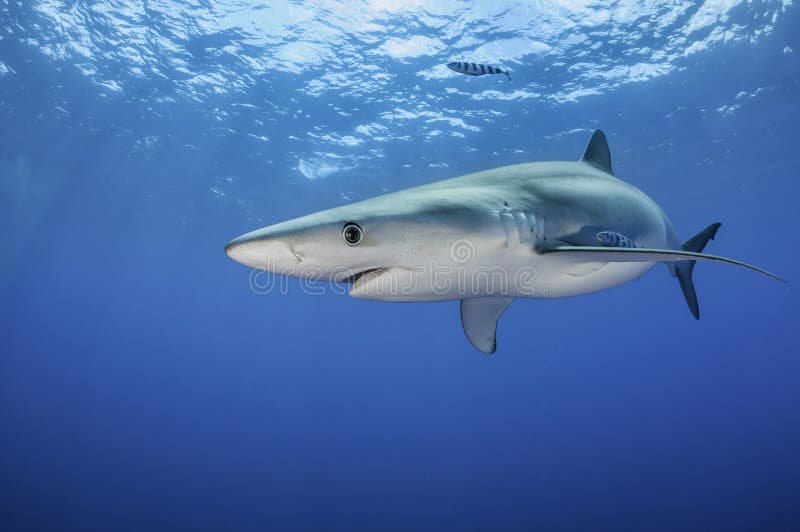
(522, 226)
(506, 221)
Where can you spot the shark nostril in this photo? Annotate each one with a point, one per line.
(298, 256)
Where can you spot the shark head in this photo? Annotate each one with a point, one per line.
(393, 247)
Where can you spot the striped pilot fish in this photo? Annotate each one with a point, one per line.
(610, 239)
(475, 69)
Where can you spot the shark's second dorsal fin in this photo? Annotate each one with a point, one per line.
(597, 152)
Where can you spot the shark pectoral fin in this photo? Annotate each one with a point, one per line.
(604, 254)
(479, 317)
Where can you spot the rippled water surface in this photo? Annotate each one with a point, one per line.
(145, 385)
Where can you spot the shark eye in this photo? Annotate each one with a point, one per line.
(352, 233)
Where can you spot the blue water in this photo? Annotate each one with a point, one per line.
(145, 386)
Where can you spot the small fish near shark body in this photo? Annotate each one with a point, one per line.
(475, 69)
(540, 220)
(611, 239)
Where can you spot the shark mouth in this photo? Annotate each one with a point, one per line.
(369, 272)
(384, 284)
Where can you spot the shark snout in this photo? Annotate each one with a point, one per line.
(264, 251)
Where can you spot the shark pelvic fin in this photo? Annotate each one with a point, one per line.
(479, 317)
(597, 153)
(603, 254)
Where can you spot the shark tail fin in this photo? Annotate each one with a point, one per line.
(683, 269)
(507, 75)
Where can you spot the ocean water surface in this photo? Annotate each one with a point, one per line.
(145, 385)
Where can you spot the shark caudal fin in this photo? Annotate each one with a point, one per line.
(683, 269)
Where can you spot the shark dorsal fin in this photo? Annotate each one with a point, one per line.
(479, 317)
(597, 153)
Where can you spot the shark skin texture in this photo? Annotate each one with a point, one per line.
(525, 230)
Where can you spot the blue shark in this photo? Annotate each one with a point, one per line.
(526, 230)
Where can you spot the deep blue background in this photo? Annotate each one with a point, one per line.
(144, 386)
